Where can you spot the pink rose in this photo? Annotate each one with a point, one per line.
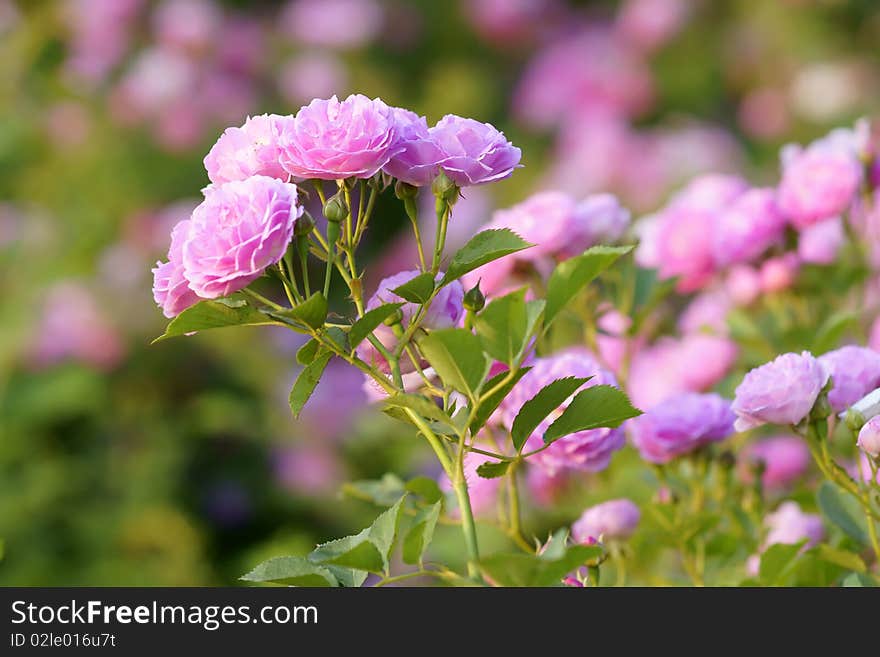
(251, 150)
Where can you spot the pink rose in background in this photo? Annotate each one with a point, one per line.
(820, 243)
(511, 21)
(72, 326)
(308, 469)
(474, 153)
(312, 75)
(788, 524)
(171, 290)
(336, 24)
(874, 335)
(614, 520)
(854, 371)
(781, 392)
(648, 24)
(819, 181)
(248, 151)
(779, 273)
(483, 492)
(187, 24)
(743, 284)
(706, 313)
(240, 229)
(747, 227)
(333, 139)
(785, 459)
(597, 219)
(681, 424)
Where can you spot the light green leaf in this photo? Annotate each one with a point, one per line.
(517, 569)
(383, 492)
(493, 470)
(777, 562)
(490, 403)
(533, 412)
(418, 289)
(215, 314)
(426, 488)
(357, 551)
(832, 329)
(306, 382)
(420, 533)
(504, 326)
(598, 406)
(574, 274)
(421, 405)
(293, 571)
(383, 531)
(370, 322)
(841, 512)
(858, 580)
(842, 558)
(349, 577)
(457, 357)
(312, 312)
(482, 248)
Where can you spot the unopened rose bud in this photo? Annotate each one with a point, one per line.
(404, 190)
(335, 209)
(444, 188)
(304, 225)
(869, 437)
(474, 300)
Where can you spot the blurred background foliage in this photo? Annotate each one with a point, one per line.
(178, 463)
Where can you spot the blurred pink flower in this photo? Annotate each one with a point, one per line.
(649, 24)
(747, 227)
(779, 273)
(764, 114)
(187, 24)
(820, 243)
(312, 74)
(342, 24)
(707, 312)
(743, 284)
(785, 459)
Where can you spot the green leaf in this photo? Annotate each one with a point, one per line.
(312, 312)
(421, 405)
(533, 412)
(305, 383)
(457, 357)
(349, 577)
(840, 512)
(306, 354)
(215, 314)
(489, 404)
(598, 406)
(858, 580)
(483, 247)
(356, 551)
(574, 274)
(383, 492)
(383, 531)
(293, 571)
(842, 558)
(426, 488)
(832, 329)
(777, 562)
(420, 534)
(418, 289)
(506, 324)
(517, 569)
(370, 322)
(493, 470)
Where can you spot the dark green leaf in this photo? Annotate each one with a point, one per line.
(369, 322)
(599, 406)
(293, 571)
(483, 247)
(426, 488)
(493, 470)
(312, 312)
(517, 569)
(418, 289)
(504, 326)
(305, 383)
(306, 354)
(840, 511)
(457, 357)
(533, 412)
(489, 404)
(421, 405)
(573, 275)
(215, 314)
(420, 534)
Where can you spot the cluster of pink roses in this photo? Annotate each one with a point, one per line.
(248, 217)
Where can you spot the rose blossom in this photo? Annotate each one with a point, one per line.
(743, 284)
(818, 182)
(170, 288)
(747, 228)
(706, 313)
(779, 273)
(474, 152)
(789, 525)
(598, 219)
(611, 520)
(333, 139)
(247, 151)
(240, 229)
(819, 243)
(445, 311)
(418, 161)
(785, 459)
(854, 371)
(869, 437)
(680, 425)
(588, 450)
(782, 391)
